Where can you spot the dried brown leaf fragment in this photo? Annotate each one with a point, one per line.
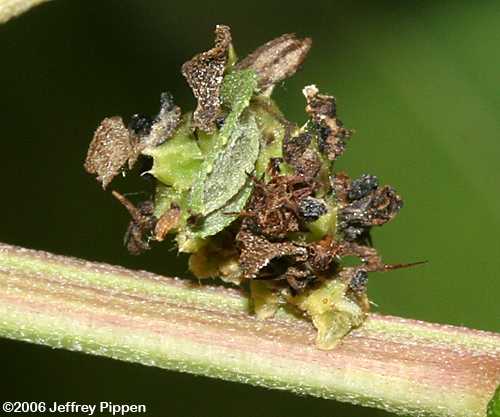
(322, 110)
(164, 124)
(141, 227)
(204, 74)
(340, 183)
(111, 148)
(298, 154)
(322, 254)
(167, 222)
(277, 60)
(274, 207)
(374, 209)
(260, 258)
(362, 204)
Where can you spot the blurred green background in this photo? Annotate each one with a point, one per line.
(418, 80)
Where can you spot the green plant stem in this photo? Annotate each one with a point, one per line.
(13, 8)
(399, 365)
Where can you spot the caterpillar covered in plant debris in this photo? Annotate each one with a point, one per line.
(254, 198)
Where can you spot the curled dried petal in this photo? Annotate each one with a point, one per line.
(340, 183)
(322, 254)
(277, 60)
(363, 205)
(273, 209)
(295, 146)
(110, 149)
(164, 125)
(257, 255)
(204, 74)
(168, 221)
(141, 226)
(369, 256)
(362, 186)
(300, 156)
(357, 277)
(375, 209)
(331, 133)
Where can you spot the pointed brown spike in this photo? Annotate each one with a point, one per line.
(390, 267)
(141, 226)
(133, 210)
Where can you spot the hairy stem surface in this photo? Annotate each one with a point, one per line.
(405, 366)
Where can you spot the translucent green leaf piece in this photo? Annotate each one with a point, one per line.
(265, 302)
(191, 239)
(326, 224)
(177, 161)
(224, 216)
(232, 166)
(494, 404)
(270, 122)
(164, 196)
(332, 312)
(236, 92)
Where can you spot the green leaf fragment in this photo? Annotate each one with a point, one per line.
(272, 150)
(232, 166)
(164, 196)
(232, 58)
(273, 132)
(224, 216)
(192, 239)
(210, 176)
(332, 312)
(326, 224)
(494, 404)
(265, 302)
(236, 92)
(177, 161)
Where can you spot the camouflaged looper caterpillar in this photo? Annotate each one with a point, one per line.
(251, 196)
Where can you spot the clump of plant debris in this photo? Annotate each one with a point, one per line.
(253, 197)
